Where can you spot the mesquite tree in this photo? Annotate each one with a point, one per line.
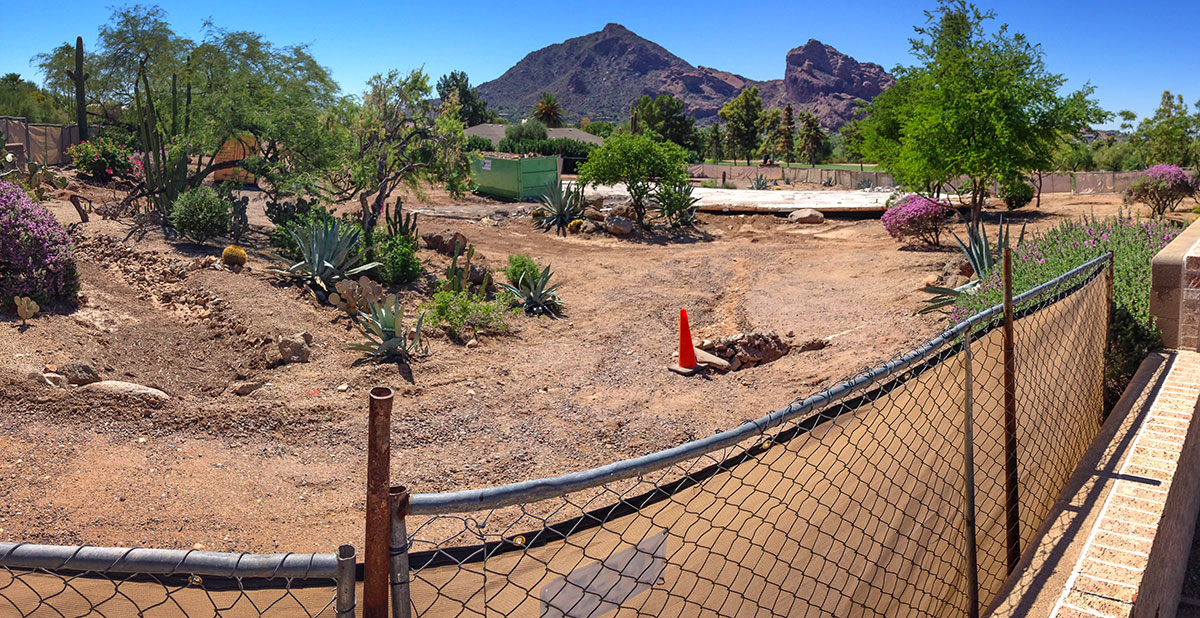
(395, 138)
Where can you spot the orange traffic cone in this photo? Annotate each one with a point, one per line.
(687, 354)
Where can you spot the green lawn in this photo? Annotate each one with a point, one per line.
(866, 167)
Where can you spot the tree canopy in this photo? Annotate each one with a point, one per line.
(742, 126)
(666, 117)
(472, 107)
(980, 104)
(638, 161)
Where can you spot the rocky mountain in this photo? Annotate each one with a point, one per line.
(600, 74)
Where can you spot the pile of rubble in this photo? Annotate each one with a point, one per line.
(742, 351)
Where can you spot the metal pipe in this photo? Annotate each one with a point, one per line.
(375, 561)
(1012, 505)
(346, 581)
(167, 561)
(551, 487)
(398, 551)
(969, 481)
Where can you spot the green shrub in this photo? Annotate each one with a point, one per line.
(461, 313)
(479, 144)
(201, 214)
(1053, 252)
(530, 129)
(397, 254)
(101, 158)
(1016, 193)
(519, 265)
(709, 184)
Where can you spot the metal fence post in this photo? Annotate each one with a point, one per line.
(379, 520)
(1011, 493)
(969, 480)
(398, 551)
(346, 581)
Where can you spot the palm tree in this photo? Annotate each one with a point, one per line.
(549, 111)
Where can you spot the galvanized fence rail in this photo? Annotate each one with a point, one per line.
(56, 580)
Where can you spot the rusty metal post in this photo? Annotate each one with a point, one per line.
(346, 577)
(969, 480)
(398, 552)
(1012, 505)
(375, 560)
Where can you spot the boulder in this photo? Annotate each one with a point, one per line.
(806, 216)
(445, 241)
(593, 214)
(591, 227)
(596, 202)
(125, 389)
(618, 225)
(295, 349)
(78, 373)
(624, 210)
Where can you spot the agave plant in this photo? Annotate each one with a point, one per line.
(674, 202)
(978, 250)
(328, 255)
(560, 207)
(536, 296)
(382, 326)
(760, 183)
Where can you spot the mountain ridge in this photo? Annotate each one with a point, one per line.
(600, 74)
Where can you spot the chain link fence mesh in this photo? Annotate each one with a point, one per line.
(851, 502)
(68, 582)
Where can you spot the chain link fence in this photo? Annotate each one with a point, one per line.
(63, 581)
(908, 490)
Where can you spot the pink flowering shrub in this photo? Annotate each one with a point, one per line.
(916, 217)
(102, 158)
(1162, 187)
(36, 258)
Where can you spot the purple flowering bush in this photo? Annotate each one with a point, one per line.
(1162, 187)
(1133, 242)
(36, 257)
(916, 217)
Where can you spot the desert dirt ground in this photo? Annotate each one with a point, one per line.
(283, 468)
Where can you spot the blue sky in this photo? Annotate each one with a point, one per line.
(1131, 52)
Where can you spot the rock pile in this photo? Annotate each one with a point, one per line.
(746, 350)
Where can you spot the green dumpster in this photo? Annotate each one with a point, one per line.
(515, 179)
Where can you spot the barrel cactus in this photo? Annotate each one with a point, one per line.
(234, 255)
(36, 256)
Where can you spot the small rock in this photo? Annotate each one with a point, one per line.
(814, 344)
(807, 216)
(618, 225)
(343, 388)
(590, 227)
(930, 280)
(79, 373)
(127, 389)
(245, 388)
(473, 343)
(295, 349)
(716, 362)
(54, 379)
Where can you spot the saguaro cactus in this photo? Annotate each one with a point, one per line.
(79, 77)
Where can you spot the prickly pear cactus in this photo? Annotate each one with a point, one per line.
(353, 297)
(26, 308)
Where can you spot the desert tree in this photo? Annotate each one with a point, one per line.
(741, 122)
(809, 137)
(786, 138)
(666, 117)
(1169, 136)
(473, 108)
(395, 138)
(979, 104)
(638, 161)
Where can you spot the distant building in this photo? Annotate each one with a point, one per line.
(495, 132)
